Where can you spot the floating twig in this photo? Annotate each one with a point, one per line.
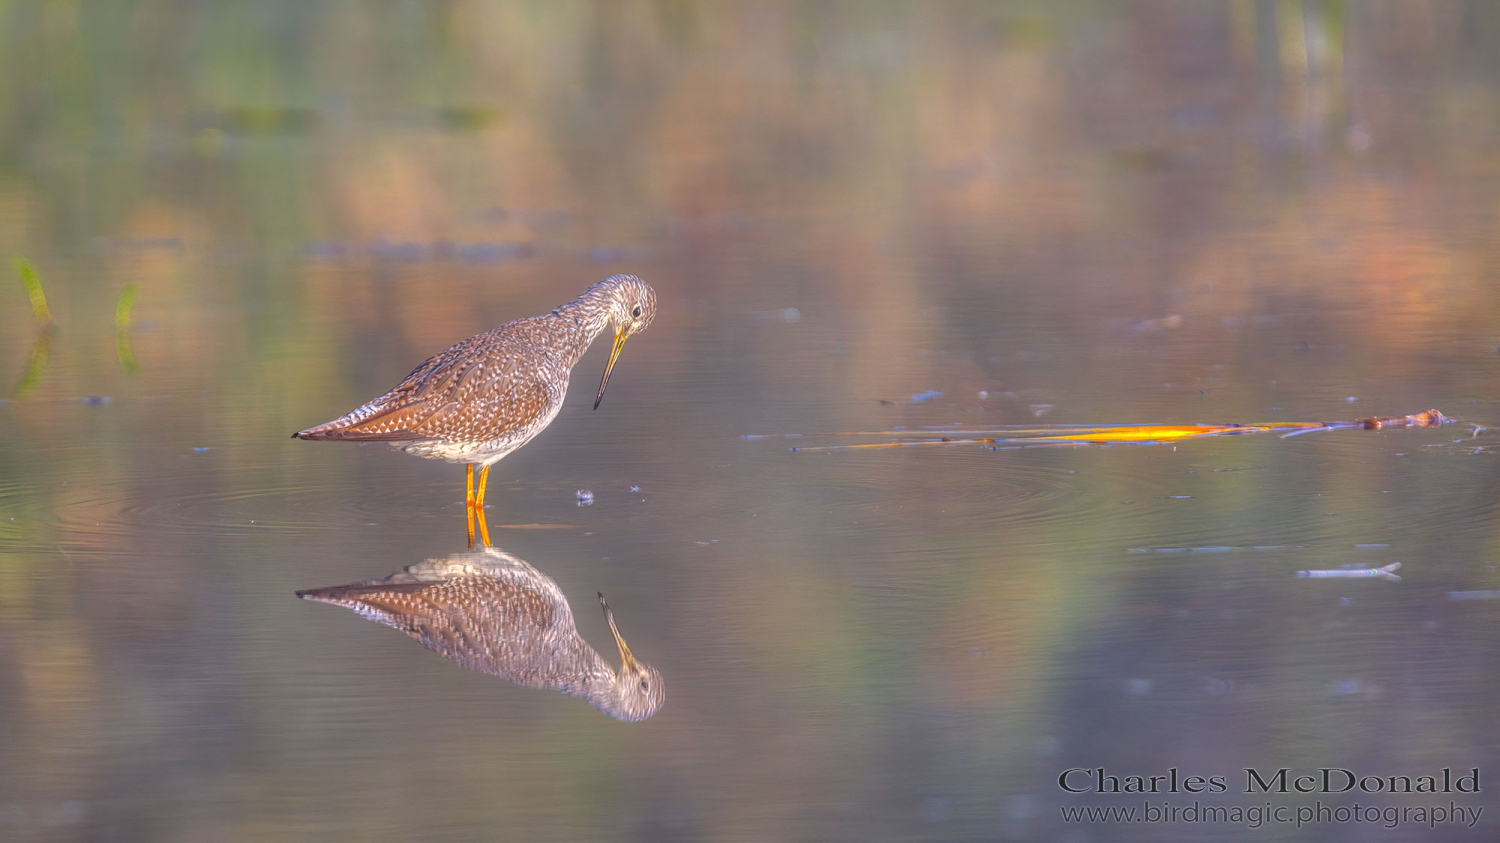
(1430, 418)
(904, 444)
(1130, 434)
(1215, 549)
(1386, 572)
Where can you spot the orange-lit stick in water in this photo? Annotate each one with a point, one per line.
(1153, 433)
(1128, 434)
(1100, 433)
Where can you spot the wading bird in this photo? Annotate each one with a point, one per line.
(491, 393)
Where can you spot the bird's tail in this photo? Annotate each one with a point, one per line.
(393, 604)
(328, 431)
(374, 423)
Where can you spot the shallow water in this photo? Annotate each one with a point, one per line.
(1075, 215)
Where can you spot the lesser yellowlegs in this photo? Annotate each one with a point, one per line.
(491, 393)
(490, 611)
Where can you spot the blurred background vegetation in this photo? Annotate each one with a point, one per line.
(1076, 212)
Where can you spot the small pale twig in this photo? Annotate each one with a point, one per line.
(1386, 572)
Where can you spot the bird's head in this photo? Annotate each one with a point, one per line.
(632, 306)
(639, 690)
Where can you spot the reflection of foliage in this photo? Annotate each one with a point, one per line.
(43, 315)
(125, 354)
(37, 364)
(122, 330)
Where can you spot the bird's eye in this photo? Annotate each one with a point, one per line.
(637, 312)
(644, 686)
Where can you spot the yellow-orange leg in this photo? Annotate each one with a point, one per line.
(484, 480)
(469, 502)
(474, 503)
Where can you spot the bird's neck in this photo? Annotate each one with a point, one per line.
(588, 315)
(596, 682)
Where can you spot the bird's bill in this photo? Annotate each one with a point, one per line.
(627, 661)
(614, 354)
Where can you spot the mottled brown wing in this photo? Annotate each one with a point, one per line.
(481, 622)
(485, 388)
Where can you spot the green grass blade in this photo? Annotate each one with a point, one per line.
(33, 286)
(122, 307)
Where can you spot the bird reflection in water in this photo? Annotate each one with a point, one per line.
(492, 612)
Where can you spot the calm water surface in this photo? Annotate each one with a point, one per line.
(1171, 213)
